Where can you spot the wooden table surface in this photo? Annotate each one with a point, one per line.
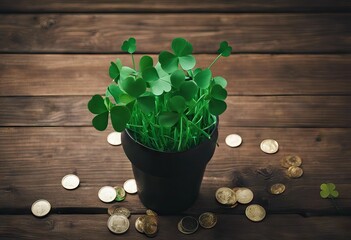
(288, 79)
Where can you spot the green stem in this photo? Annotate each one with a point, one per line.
(202, 131)
(180, 133)
(133, 61)
(215, 60)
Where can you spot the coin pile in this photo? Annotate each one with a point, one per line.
(147, 224)
(292, 163)
(189, 225)
(230, 197)
(118, 221)
(269, 146)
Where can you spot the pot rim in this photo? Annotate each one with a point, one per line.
(127, 131)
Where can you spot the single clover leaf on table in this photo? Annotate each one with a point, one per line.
(181, 55)
(328, 190)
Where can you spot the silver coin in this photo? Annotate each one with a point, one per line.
(269, 146)
(118, 224)
(70, 181)
(114, 138)
(107, 194)
(41, 208)
(130, 186)
(233, 140)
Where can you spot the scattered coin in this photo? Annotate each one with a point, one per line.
(294, 172)
(118, 223)
(225, 196)
(114, 138)
(244, 195)
(122, 210)
(121, 194)
(255, 212)
(130, 186)
(233, 140)
(139, 224)
(269, 146)
(70, 181)
(150, 225)
(277, 188)
(188, 225)
(151, 213)
(107, 194)
(41, 208)
(111, 209)
(207, 220)
(291, 160)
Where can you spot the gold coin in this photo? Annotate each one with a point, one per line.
(118, 224)
(188, 225)
(121, 194)
(244, 195)
(139, 224)
(294, 172)
(150, 225)
(269, 146)
(291, 160)
(70, 181)
(151, 213)
(225, 196)
(255, 212)
(111, 209)
(122, 210)
(207, 220)
(277, 188)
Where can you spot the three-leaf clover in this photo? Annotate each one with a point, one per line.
(129, 45)
(182, 51)
(328, 190)
(224, 49)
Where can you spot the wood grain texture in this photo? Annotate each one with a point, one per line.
(104, 33)
(94, 227)
(174, 6)
(260, 111)
(252, 74)
(34, 160)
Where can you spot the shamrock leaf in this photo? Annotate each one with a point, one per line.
(203, 78)
(162, 83)
(218, 92)
(220, 81)
(217, 107)
(224, 49)
(182, 50)
(177, 78)
(145, 62)
(133, 86)
(129, 45)
(100, 121)
(120, 116)
(177, 104)
(113, 71)
(150, 74)
(168, 119)
(146, 103)
(96, 105)
(328, 190)
(188, 90)
(126, 72)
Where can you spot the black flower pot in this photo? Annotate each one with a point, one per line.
(168, 182)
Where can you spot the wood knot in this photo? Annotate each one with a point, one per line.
(47, 23)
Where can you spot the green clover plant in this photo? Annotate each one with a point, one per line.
(167, 106)
(328, 190)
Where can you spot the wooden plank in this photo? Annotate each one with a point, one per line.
(269, 111)
(34, 160)
(228, 226)
(173, 6)
(104, 33)
(42, 74)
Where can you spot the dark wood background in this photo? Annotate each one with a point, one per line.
(289, 79)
